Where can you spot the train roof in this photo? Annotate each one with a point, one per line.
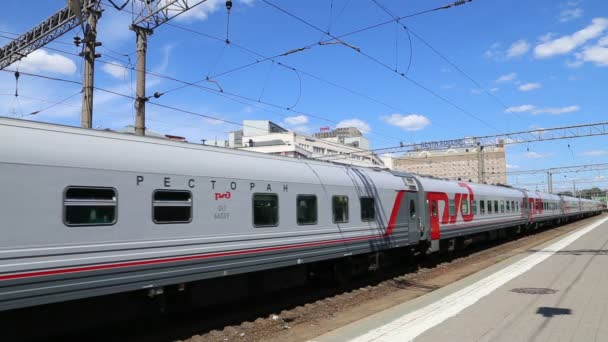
(34, 142)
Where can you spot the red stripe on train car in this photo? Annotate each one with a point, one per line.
(100, 267)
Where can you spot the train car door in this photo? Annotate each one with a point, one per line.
(405, 218)
(414, 215)
(434, 219)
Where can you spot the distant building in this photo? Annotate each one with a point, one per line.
(481, 165)
(343, 145)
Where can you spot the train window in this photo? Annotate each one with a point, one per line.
(434, 208)
(89, 206)
(307, 209)
(482, 207)
(340, 209)
(172, 206)
(508, 206)
(496, 207)
(452, 208)
(265, 210)
(502, 206)
(474, 207)
(464, 207)
(368, 211)
(489, 207)
(412, 209)
(513, 205)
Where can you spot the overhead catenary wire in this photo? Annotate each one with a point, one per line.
(158, 104)
(357, 31)
(418, 84)
(264, 58)
(64, 104)
(445, 58)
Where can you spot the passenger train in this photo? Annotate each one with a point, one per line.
(88, 213)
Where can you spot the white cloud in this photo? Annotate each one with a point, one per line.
(597, 54)
(113, 29)
(520, 109)
(494, 51)
(511, 166)
(303, 129)
(497, 53)
(478, 91)
(410, 122)
(43, 61)
(296, 120)
(547, 110)
(596, 153)
(537, 155)
(570, 14)
(518, 48)
(576, 63)
(556, 110)
(164, 64)
(566, 44)
(529, 86)
(360, 124)
(201, 11)
(506, 78)
(546, 37)
(116, 70)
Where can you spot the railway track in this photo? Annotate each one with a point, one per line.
(296, 313)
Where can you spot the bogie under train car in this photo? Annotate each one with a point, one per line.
(88, 213)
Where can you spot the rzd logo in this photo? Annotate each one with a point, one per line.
(435, 198)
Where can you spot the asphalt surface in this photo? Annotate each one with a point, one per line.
(555, 292)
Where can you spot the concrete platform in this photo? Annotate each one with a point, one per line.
(557, 292)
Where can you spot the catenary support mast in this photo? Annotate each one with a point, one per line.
(90, 42)
(140, 100)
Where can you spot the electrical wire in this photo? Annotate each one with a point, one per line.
(264, 58)
(53, 104)
(62, 103)
(227, 95)
(418, 84)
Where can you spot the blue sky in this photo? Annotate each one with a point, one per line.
(545, 61)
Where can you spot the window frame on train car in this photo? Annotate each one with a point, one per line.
(278, 216)
(474, 207)
(412, 209)
(508, 207)
(482, 207)
(452, 207)
(496, 207)
(305, 197)
(172, 204)
(83, 203)
(465, 204)
(333, 208)
(502, 206)
(489, 206)
(373, 208)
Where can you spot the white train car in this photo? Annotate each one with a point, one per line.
(90, 213)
